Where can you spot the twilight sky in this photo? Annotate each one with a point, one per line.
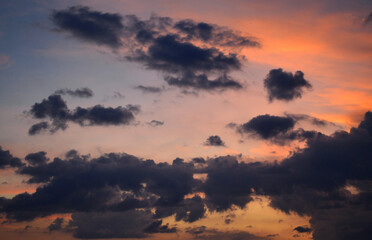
(223, 119)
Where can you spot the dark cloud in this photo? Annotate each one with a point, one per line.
(285, 86)
(196, 230)
(56, 224)
(189, 79)
(7, 160)
(160, 44)
(77, 184)
(302, 229)
(79, 92)
(169, 54)
(37, 158)
(189, 210)
(268, 126)
(278, 130)
(157, 227)
(366, 123)
(155, 123)
(149, 89)
(115, 188)
(214, 34)
(129, 224)
(88, 25)
(55, 109)
(38, 128)
(214, 141)
(198, 160)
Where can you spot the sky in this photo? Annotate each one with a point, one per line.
(223, 119)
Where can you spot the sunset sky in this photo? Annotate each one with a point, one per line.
(165, 119)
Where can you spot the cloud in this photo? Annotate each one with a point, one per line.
(189, 79)
(155, 123)
(117, 182)
(37, 158)
(210, 233)
(56, 224)
(129, 224)
(277, 129)
(149, 89)
(162, 44)
(7, 160)
(156, 227)
(87, 25)
(189, 210)
(55, 109)
(214, 34)
(285, 86)
(313, 120)
(79, 92)
(311, 182)
(268, 126)
(302, 229)
(214, 141)
(38, 128)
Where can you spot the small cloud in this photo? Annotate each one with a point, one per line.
(149, 89)
(155, 123)
(214, 141)
(302, 229)
(79, 92)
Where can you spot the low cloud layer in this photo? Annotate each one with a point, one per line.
(285, 86)
(191, 54)
(57, 115)
(102, 192)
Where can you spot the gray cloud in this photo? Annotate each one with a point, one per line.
(162, 44)
(55, 109)
(214, 141)
(79, 92)
(285, 86)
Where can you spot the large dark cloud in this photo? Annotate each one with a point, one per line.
(310, 182)
(55, 109)
(285, 86)
(7, 159)
(314, 181)
(162, 44)
(76, 184)
(88, 25)
(79, 92)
